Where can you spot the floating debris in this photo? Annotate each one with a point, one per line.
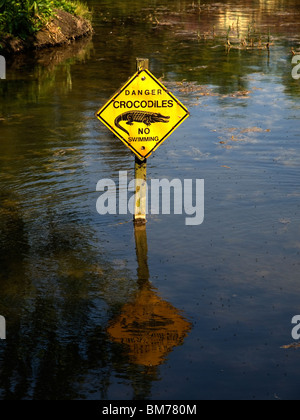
(284, 221)
(255, 130)
(291, 346)
(62, 152)
(239, 136)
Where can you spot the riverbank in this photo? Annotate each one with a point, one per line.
(61, 29)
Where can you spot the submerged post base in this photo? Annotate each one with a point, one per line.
(140, 222)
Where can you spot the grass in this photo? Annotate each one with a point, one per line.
(82, 10)
(23, 18)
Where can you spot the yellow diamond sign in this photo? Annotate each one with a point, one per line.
(143, 113)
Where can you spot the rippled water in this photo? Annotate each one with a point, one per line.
(95, 310)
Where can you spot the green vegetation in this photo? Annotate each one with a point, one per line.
(22, 18)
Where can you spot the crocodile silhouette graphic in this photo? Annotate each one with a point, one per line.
(144, 117)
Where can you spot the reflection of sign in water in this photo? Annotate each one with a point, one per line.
(149, 327)
(143, 113)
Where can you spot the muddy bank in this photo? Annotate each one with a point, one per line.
(61, 29)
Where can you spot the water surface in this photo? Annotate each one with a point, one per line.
(95, 310)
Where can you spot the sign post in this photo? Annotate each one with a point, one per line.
(142, 114)
(140, 171)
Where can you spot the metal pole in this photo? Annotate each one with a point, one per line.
(141, 171)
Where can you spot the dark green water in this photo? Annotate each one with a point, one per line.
(225, 291)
